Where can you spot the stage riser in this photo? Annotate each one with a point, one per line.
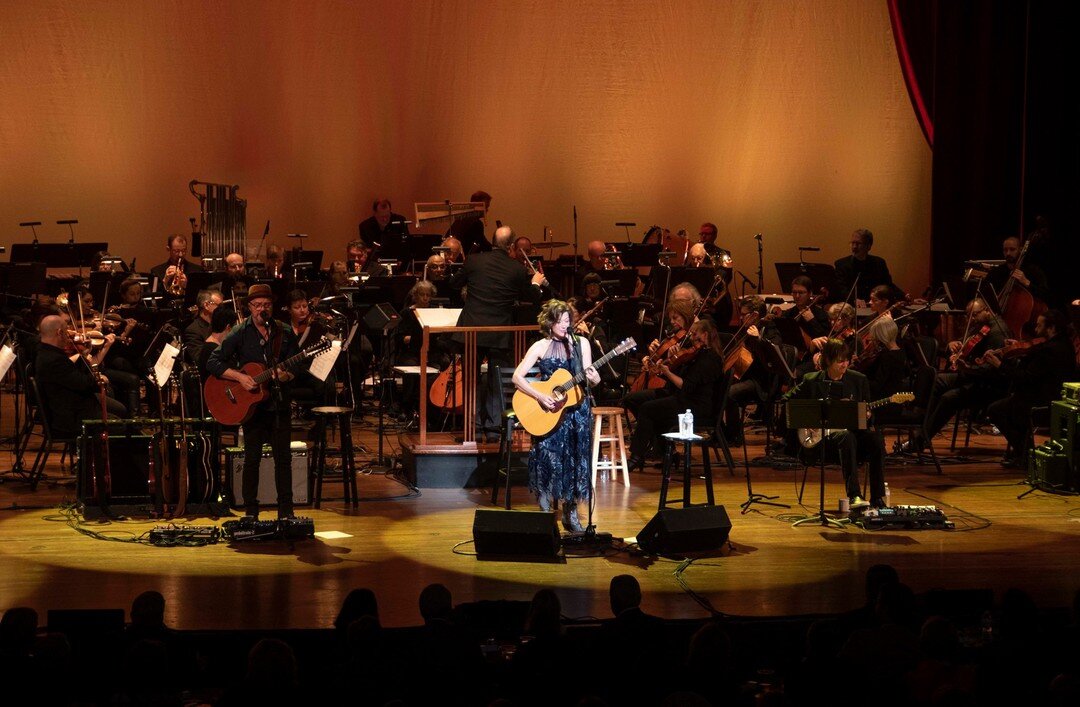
(460, 471)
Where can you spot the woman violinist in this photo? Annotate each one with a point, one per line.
(756, 332)
(691, 386)
(680, 315)
(886, 364)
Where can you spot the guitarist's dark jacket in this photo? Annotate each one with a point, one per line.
(244, 344)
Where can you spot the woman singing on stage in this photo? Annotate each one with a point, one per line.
(559, 462)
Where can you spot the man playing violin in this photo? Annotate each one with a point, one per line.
(969, 384)
(811, 318)
(68, 386)
(1035, 376)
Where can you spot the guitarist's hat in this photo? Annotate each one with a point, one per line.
(260, 291)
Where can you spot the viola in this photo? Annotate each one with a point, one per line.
(650, 376)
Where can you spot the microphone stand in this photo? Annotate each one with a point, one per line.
(760, 265)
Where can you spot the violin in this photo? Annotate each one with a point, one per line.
(650, 375)
(1013, 349)
(961, 356)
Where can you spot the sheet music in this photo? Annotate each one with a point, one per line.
(164, 366)
(322, 364)
(437, 316)
(7, 357)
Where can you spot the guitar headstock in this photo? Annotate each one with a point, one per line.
(901, 398)
(627, 344)
(316, 349)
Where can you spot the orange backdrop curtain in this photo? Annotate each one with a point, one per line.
(785, 118)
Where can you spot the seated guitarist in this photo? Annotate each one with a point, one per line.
(264, 340)
(836, 381)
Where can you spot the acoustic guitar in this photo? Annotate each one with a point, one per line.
(563, 387)
(810, 437)
(232, 404)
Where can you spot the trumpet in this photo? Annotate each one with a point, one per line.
(613, 261)
(178, 283)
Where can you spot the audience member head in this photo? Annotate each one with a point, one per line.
(624, 592)
(545, 614)
(436, 604)
(939, 640)
(18, 631)
(271, 666)
(878, 576)
(896, 605)
(148, 610)
(358, 603)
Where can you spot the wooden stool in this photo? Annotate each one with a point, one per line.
(615, 440)
(343, 416)
(670, 440)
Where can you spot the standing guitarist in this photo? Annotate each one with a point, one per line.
(264, 340)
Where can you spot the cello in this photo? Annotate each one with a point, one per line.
(1018, 307)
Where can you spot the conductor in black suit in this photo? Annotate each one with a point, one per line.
(495, 282)
(870, 269)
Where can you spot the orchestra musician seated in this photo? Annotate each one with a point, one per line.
(753, 386)
(435, 268)
(382, 224)
(469, 232)
(690, 387)
(236, 280)
(698, 257)
(838, 381)
(885, 365)
(68, 386)
(409, 337)
(967, 384)
(1030, 275)
(455, 255)
(811, 318)
(221, 321)
(172, 274)
(1035, 370)
(707, 238)
(596, 262)
(337, 279)
(309, 327)
(195, 333)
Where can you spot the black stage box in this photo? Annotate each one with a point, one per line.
(694, 529)
(515, 535)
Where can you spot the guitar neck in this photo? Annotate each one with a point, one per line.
(577, 379)
(287, 363)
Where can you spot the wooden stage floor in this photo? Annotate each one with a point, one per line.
(397, 546)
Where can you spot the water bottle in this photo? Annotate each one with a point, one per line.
(688, 417)
(888, 496)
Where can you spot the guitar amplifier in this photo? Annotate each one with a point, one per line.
(234, 465)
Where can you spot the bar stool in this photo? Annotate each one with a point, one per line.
(615, 441)
(324, 416)
(670, 440)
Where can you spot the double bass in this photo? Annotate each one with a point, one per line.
(1018, 307)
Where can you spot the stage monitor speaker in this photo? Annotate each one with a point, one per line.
(381, 317)
(509, 535)
(234, 463)
(694, 529)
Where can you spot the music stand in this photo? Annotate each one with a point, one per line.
(637, 254)
(825, 414)
(57, 255)
(701, 278)
(625, 282)
(820, 274)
